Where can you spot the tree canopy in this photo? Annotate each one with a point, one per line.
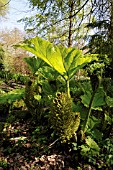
(66, 21)
(59, 21)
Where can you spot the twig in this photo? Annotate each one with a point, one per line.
(53, 143)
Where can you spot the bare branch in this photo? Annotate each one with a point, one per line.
(80, 8)
(53, 143)
(69, 16)
(73, 14)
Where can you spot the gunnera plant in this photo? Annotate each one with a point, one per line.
(63, 120)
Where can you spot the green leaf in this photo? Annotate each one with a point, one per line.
(99, 99)
(37, 97)
(109, 101)
(92, 122)
(47, 88)
(66, 61)
(74, 60)
(97, 134)
(84, 149)
(12, 96)
(48, 73)
(34, 63)
(108, 118)
(46, 51)
(92, 144)
(75, 147)
(86, 98)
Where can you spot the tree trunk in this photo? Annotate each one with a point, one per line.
(71, 5)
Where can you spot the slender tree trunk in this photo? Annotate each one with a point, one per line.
(71, 5)
(111, 34)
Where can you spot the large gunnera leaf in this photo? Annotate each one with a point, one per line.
(65, 61)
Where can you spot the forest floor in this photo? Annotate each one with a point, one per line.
(20, 150)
